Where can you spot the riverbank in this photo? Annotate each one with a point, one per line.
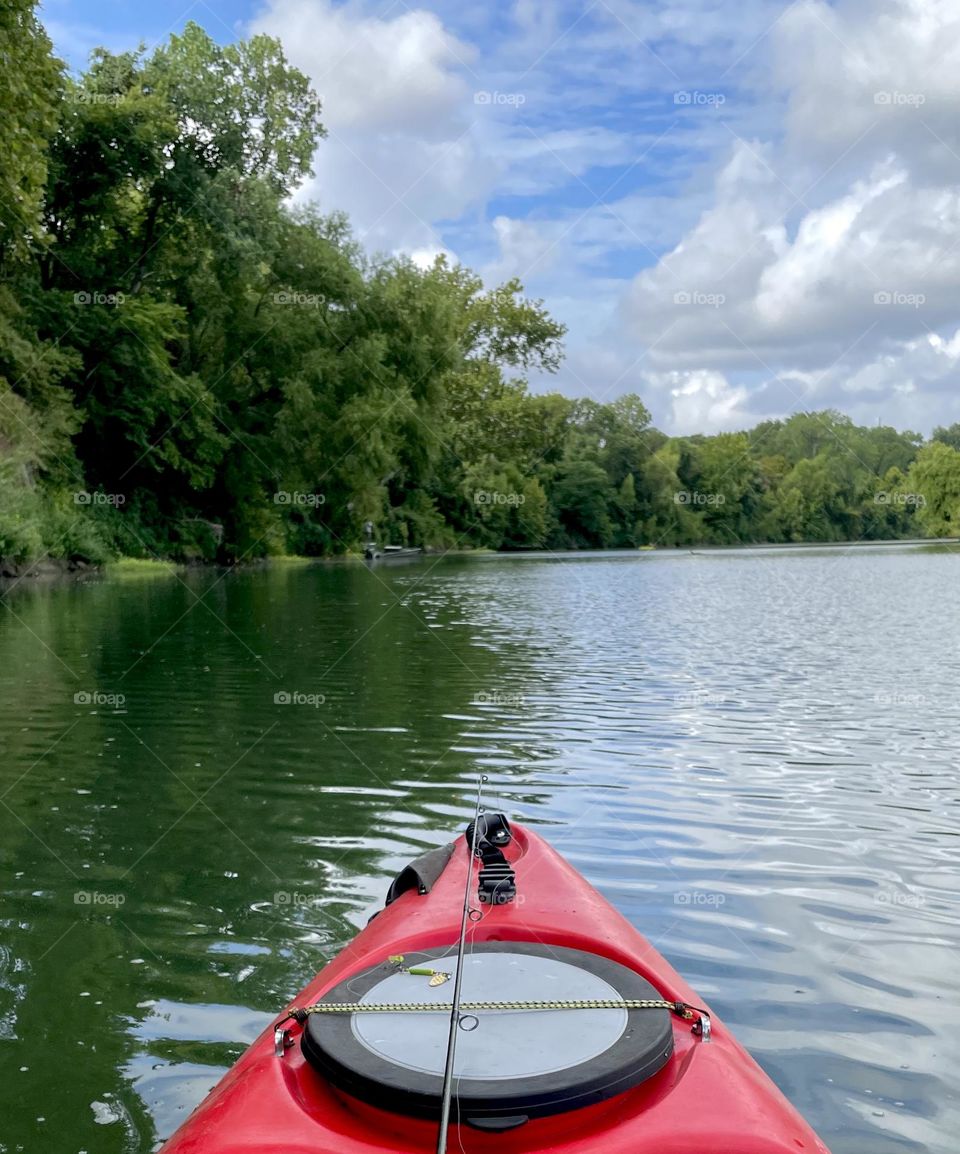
(53, 569)
(47, 569)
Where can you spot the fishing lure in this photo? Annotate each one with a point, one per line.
(437, 977)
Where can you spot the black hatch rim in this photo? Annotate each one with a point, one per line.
(643, 1049)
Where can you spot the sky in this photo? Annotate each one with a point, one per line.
(740, 208)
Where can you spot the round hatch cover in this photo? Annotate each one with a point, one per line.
(508, 1063)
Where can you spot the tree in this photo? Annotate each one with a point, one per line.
(36, 420)
(805, 501)
(30, 92)
(172, 330)
(579, 498)
(165, 206)
(948, 436)
(935, 479)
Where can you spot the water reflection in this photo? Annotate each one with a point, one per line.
(752, 755)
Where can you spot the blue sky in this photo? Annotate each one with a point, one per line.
(740, 209)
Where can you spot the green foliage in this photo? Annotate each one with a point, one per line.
(232, 377)
(935, 477)
(948, 436)
(30, 83)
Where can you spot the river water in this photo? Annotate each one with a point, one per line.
(207, 781)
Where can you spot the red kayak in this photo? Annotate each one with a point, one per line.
(573, 1034)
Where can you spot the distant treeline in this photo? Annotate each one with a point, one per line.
(191, 368)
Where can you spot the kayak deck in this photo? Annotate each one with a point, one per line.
(708, 1096)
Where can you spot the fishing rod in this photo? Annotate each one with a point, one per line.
(447, 1092)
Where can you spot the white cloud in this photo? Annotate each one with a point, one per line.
(425, 257)
(819, 263)
(397, 104)
(834, 251)
(526, 249)
(537, 161)
(884, 74)
(392, 75)
(702, 399)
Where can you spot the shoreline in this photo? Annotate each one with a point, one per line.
(52, 569)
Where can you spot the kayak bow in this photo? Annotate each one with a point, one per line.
(573, 1034)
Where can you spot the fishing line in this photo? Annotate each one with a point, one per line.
(474, 916)
(455, 1008)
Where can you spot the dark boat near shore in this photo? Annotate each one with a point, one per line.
(374, 552)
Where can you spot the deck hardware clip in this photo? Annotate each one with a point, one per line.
(281, 1041)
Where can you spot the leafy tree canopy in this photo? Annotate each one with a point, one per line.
(230, 376)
